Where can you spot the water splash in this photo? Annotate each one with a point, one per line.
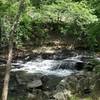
(62, 67)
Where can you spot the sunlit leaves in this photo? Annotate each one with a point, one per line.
(70, 16)
(65, 11)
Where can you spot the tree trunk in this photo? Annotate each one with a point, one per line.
(7, 73)
(11, 39)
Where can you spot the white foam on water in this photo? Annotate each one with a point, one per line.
(76, 58)
(45, 66)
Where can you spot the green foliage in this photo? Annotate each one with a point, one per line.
(77, 18)
(8, 11)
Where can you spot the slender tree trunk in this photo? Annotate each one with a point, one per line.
(7, 73)
(0, 32)
(11, 39)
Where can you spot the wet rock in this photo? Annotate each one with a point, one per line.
(19, 80)
(2, 61)
(47, 55)
(88, 67)
(78, 84)
(79, 66)
(31, 56)
(69, 64)
(52, 82)
(34, 84)
(44, 80)
(37, 94)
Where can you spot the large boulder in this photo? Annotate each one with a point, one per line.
(69, 64)
(34, 84)
(81, 85)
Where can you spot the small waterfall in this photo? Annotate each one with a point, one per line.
(60, 67)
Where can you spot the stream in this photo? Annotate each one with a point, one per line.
(60, 68)
(43, 75)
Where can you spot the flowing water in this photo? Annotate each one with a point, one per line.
(61, 67)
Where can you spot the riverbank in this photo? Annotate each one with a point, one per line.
(82, 84)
